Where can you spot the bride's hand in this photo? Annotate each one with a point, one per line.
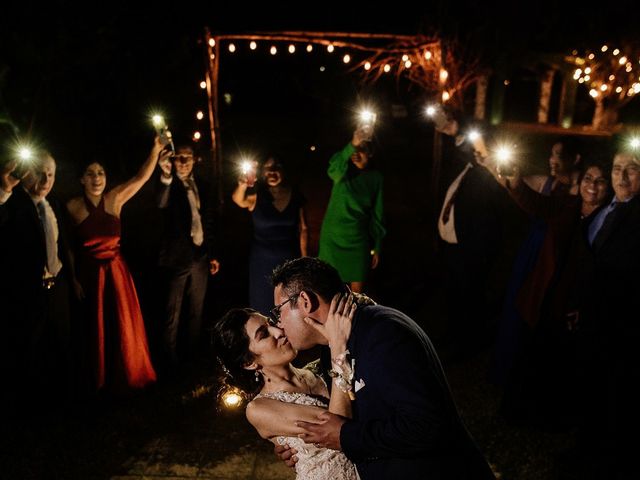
(337, 328)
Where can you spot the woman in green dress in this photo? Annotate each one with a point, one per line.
(352, 229)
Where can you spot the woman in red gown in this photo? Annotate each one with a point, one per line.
(118, 349)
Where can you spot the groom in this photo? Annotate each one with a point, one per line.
(405, 422)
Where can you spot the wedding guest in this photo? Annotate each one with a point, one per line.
(353, 225)
(188, 251)
(118, 350)
(279, 228)
(37, 280)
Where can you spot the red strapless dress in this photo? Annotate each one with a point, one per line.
(118, 349)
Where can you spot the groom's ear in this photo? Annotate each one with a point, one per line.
(309, 302)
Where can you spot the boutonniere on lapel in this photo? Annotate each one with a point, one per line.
(342, 373)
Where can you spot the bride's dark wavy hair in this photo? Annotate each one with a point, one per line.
(232, 347)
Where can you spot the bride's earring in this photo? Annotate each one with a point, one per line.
(257, 376)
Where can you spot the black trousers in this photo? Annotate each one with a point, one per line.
(466, 276)
(188, 285)
(40, 342)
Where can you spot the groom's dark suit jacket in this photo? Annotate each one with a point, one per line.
(405, 422)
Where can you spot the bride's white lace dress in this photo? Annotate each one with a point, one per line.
(313, 463)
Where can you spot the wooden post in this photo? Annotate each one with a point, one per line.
(567, 100)
(213, 62)
(497, 96)
(481, 98)
(436, 166)
(546, 84)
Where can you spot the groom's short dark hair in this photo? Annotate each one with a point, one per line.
(308, 274)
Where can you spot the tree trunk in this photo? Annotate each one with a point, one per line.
(604, 118)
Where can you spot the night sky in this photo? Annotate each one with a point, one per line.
(82, 84)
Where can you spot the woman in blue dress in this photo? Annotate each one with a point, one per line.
(279, 228)
(509, 345)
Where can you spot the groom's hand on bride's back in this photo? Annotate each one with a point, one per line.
(286, 454)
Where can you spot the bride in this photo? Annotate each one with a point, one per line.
(257, 357)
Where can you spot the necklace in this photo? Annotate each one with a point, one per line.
(285, 385)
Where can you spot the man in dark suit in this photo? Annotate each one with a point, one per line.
(609, 332)
(37, 271)
(187, 255)
(405, 423)
(470, 232)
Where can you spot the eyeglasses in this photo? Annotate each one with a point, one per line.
(275, 311)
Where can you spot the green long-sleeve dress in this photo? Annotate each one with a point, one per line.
(353, 223)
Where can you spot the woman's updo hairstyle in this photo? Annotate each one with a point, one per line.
(232, 347)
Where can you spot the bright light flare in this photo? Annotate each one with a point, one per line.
(232, 400)
(158, 121)
(25, 153)
(430, 111)
(474, 135)
(200, 115)
(634, 143)
(246, 166)
(367, 117)
(231, 397)
(504, 155)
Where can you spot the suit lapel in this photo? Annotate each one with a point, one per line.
(32, 214)
(621, 213)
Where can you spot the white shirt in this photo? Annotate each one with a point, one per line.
(197, 233)
(448, 230)
(51, 233)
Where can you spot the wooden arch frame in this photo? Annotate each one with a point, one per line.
(382, 49)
